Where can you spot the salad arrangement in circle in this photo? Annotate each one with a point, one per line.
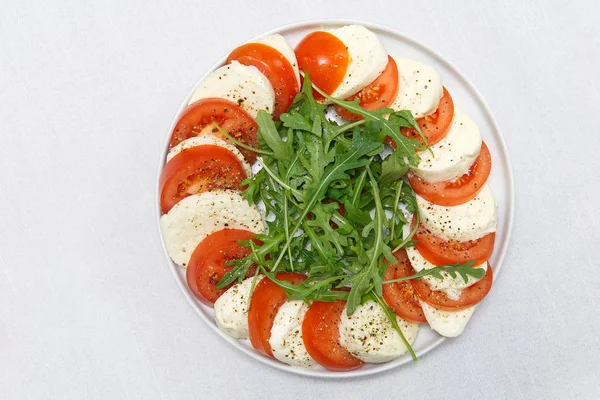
(368, 214)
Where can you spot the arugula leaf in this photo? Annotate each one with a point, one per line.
(268, 132)
(355, 215)
(295, 120)
(316, 127)
(392, 170)
(314, 290)
(463, 269)
(406, 148)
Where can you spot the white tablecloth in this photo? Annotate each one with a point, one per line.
(88, 308)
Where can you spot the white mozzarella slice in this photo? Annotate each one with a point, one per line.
(279, 43)
(197, 216)
(454, 155)
(368, 59)
(370, 337)
(209, 139)
(231, 309)
(286, 335)
(469, 221)
(241, 84)
(447, 323)
(451, 287)
(419, 88)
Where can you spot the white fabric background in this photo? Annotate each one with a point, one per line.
(88, 308)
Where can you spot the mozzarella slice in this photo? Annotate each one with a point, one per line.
(468, 221)
(286, 335)
(447, 323)
(419, 88)
(241, 84)
(231, 309)
(279, 43)
(197, 216)
(452, 156)
(209, 139)
(368, 59)
(451, 287)
(370, 337)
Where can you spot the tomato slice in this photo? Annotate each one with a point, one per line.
(325, 59)
(207, 264)
(275, 67)
(199, 169)
(266, 300)
(440, 252)
(198, 117)
(469, 296)
(400, 296)
(459, 191)
(379, 94)
(321, 336)
(436, 126)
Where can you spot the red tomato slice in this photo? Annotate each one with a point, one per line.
(207, 264)
(400, 296)
(469, 296)
(440, 252)
(266, 300)
(379, 94)
(321, 336)
(459, 191)
(197, 117)
(436, 126)
(199, 169)
(275, 67)
(325, 59)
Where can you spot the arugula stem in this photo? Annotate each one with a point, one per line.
(286, 222)
(241, 144)
(347, 127)
(252, 287)
(395, 212)
(360, 184)
(379, 215)
(276, 178)
(392, 317)
(410, 235)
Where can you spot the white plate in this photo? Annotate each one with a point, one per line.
(468, 98)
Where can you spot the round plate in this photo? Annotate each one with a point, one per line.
(500, 180)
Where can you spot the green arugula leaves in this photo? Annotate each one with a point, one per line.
(332, 202)
(334, 206)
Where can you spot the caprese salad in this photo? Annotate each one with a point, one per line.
(368, 214)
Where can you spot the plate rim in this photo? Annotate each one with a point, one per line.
(308, 372)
